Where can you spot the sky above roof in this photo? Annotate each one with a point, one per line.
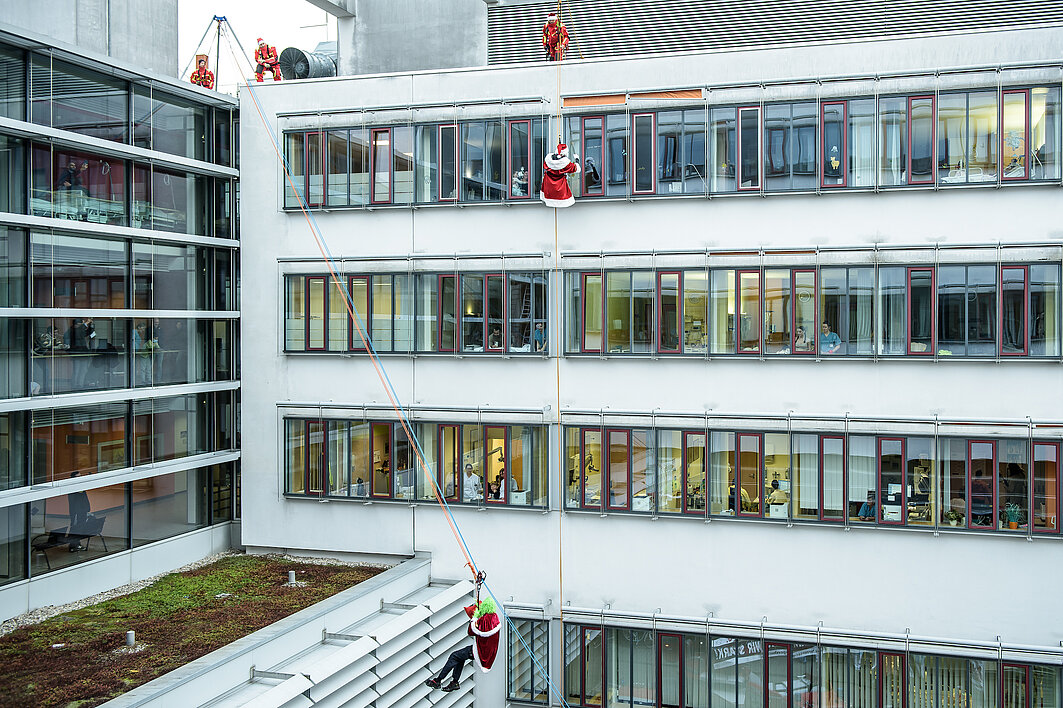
(282, 23)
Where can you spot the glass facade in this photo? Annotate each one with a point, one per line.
(634, 667)
(963, 137)
(471, 464)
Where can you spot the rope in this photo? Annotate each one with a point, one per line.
(185, 70)
(381, 373)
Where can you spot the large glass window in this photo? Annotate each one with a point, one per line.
(76, 527)
(631, 668)
(1045, 132)
(892, 141)
(835, 150)
(13, 267)
(178, 126)
(519, 159)
(1044, 310)
(78, 186)
(861, 143)
(169, 505)
(920, 139)
(1014, 135)
(528, 663)
(12, 167)
(78, 99)
(749, 148)
(71, 355)
(78, 271)
(12, 83)
(1046, 487)
(643, 162)
(723, 144)
(67, 442)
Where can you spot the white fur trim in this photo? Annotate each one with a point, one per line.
(557, 203)
(489, 633)
(557, 164)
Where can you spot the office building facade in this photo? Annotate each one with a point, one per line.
(120, 322)
(769, 416)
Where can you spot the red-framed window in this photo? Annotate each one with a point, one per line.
(669, 311)
(750, 158)
(921, 303)
(834, 150)
(380, 446)
(892, 680)
(447, 319)
(1015, 686)
(804, 311)
(1046, 488)
(1015, 135)
(590, 467)
(520, 159)
(380, 177)
(832, 478)
(314, 168)
(361, 296)
(591, 658)
(496, 454)
(778, 692)
(449, 473)
(592, 316)
(618, 473)
(316, 312)
(448, 163)
(592, 167)
(695, 471)
(922, 137)
(750, 308)
(671, 670)
(494, 312)
(643, 153)
(1014, 321)
(892, 500)
(749, 485)
(981, 484)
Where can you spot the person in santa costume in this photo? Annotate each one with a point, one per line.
(556, 169)
(266, 56)
(484, 628)
(555, 38)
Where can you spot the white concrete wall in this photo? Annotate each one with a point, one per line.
(963, 586)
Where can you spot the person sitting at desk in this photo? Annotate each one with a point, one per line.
(747, 503)
(867, 509)
(778, 495)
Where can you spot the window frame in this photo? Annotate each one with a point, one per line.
(738, 149)
(679, 313)
(582, 491)
(1025, 668)
(456, 497)
(504, 490)
(653, 153)
(1026, 172)
(794, 272)
(322, 136)
(373, 424)
(740, 311)
(503, 277)
(600, 192)
(880, 492)
(1049, 513)
(509, 158)
(584, 275)
(439, 312)
(971, 442)
(607, 476)
(932, 349)
(307, 281)
(685, 508)
(903, 658)
(354, 343)
(845, 479)
(932, 179)
(844, 157)
(373, 132)
(739, 512)
(789, 670)
(1025, 310)
(457, 162)
(679, 639)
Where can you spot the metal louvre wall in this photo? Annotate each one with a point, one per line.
(603, 28)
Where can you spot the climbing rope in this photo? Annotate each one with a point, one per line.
(480, 578)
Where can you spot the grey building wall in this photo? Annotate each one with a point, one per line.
(410, 35)
(141, 32)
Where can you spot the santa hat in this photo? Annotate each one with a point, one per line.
(562, 149)
(261, 41)
(552, 17)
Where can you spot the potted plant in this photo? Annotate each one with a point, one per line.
(1012, 512)
(953, 517)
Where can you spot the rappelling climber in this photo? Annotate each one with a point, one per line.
(484, 628)
(555, 38)
(267, 59)
(203, 76)
(556, 168)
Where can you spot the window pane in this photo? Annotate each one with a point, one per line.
(102, 510)
(952, 138)
(178, 127)
(892, 310)
(670, 462)
(892, 680)
(12, 83)
(338, 168)
(893, 141)
(921, 140)
(169, 505)
(359, 155)
(13, 267)
(450, 466)
(953, 481)
(694, 471)
(724, 668)
(804, 675)
(1044, 132)
(695, 311)
(519, 158)
(1046, 487)
(1013, 311)
(592, 157)
(642, 162)
(981, 310)
(643, 470)
(1013, 485)
(833, 462)
(13, 359)
(78, 99)
(723, 312)
(1013, 138)
(472, 313)
(617, 130)
(381, 152)
(749, 312)
(179, 202)
(695, 171)
(982, 465)
(695, 672)
(380, 459)
(891, 479)
(402, 160)
(804, 150)
(494, 147)
(592, 468)
(921, 311)
(776, 475)
(472, 450)
(12, 525)
(12, 168)
(777, 311)
(669, 294)
(1013, 687)
(984, 689)
(68, 442)
(723, 144)
(592, 313)
(592, 667)
(804, 305)
(316, 299)
(1044, 310)
(834, 306)
(294, 190)
(982, 152)
(750, 482)
(294, 314)
(861, 143)
(919, 486)
(834, 152)
(749, 148)
(1044, 686)
(952, 309)
(805, 484)
(473, 137)
(670, 649)
(76, 271)
(337, 317)
(426, 169)
(863, 501)
(618, 312)
(670, 152)
(778, 147)
(722, 473)
(528, 661)
(642, 310)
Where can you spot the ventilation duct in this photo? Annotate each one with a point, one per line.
(297, 64)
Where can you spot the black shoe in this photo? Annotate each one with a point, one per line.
(432, 683)
(452, 686)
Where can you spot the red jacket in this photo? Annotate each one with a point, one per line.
(266, 55)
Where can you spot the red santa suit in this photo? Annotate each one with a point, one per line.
(267, 59)
(555, 38)
(556, 169)
(484, 632)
